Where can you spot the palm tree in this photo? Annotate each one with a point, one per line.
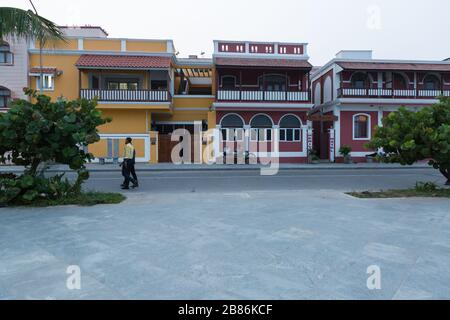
(27, 24)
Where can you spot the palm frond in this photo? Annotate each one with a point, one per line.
(19, 23)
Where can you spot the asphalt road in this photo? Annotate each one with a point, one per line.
(237, 181)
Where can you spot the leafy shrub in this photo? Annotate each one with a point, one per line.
(407, 137)
(34, 133)
(345, 150)
(426, 187)
(27, 188)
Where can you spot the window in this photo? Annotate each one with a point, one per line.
(48, 83)
(260, 135)
(6, 57)
(123, 85)
(158, 85)
(360, 80)
(261, 128)
(290, 129)
(5, 96)
(228, 82)
(232, 128)
(273, 82)
(361, 127)
(230, 135)
(431, 82)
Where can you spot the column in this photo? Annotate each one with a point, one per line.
(275, 150)
(332, 143)
(217, 141)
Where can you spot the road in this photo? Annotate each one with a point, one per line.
(289, 180)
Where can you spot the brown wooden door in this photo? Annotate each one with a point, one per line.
(166, 146)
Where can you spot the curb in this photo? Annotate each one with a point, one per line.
(244, 168)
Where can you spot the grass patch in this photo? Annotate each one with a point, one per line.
(423, 190)
(85, 199)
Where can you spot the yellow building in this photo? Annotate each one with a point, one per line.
(141, 84)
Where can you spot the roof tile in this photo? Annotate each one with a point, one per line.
(122, 61)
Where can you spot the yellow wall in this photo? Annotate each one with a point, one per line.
(67, 83)
(102, 45)
(146, 46)
(125, 121)
(69, 44)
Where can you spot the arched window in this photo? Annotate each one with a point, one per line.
(431, 82)
(232, 121)
(273, 82)
(261, 128)
(318, 94)
(6, 56)
(5, 97)
(360, 80)
(232, 128)
(228, 82)
(361, 127)
(327, 90)
(290, 129)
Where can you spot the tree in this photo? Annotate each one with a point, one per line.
(18, 23)
(44, 131)
(407, 137)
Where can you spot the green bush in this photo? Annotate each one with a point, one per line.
(41, 131)
(26, 189)
(345, 150)
(407, 137)
(426, 187)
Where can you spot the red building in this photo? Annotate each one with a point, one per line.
(359, 91)
(260, 88)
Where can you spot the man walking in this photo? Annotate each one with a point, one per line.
(128, 165)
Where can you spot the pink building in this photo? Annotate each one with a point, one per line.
(261, 87)
(359, 91)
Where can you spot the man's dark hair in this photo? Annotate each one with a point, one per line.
(129, 140)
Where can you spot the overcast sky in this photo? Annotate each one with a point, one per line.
(393, 29)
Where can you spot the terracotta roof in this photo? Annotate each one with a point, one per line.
(394, 66)
(248, 62)
(118, 61)
(45, 70)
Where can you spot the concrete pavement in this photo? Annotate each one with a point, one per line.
(307, 244)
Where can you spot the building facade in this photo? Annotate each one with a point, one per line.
(14, 66)
(354, 92)
(263, 99)
(252, 101)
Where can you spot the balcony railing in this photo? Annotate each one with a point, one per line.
(126, 95)
(264, 96)
(392, 93)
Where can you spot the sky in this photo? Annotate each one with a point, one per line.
(393, 29)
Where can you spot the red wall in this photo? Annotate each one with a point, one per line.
(347, 130)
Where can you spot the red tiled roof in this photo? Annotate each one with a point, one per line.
(248, 62)
(45, 70)
(394, 66)
(118, 61)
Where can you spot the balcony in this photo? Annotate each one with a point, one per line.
(263, 96)
(391, 93)
(126, 95)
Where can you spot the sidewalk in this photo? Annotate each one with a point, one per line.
(168, 167)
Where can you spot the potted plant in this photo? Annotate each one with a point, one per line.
(313, 158)
(345, 151)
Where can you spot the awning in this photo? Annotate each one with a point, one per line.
(36, 71)
(252, 62)
(386, 66)
(89, 61)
